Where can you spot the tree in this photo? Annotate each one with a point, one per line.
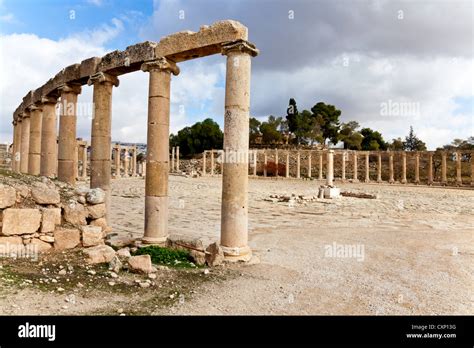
(254, 130)
(349, 136)
(372, 140)
(412, 143)
(201, 136)
(292, 115)
(328, 118)
(396, 145)
(269, 130)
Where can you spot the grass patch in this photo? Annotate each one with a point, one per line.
(168, 257)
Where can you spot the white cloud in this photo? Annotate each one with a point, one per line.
(8, 18)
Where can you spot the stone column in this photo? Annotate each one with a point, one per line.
(17, 149)
(48, 137)
(320, 166)
(264, 163)
(67, 132)
(355, 179)
(276, 162)
(101, 133)
(309, 165)
(417, 167)
(34, 153)
(126, 163)
(391, 179)
(255, 154)
(134, 162)
(234, 215)
(379, 167)
(343, 175)
(430, 168)
(298, 164)
(204, 163)
(177, 159)
(25, 141)
(367, 167)
(157, 159)
(330, 168)
(76, 161)
(287, 173)
(472, 168)
(444, 178)
(84, 162)
(458, 168)
(404, 167)
(172, 159)
(117, 161)
(212, 162)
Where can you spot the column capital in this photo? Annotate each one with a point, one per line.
(70, 88)
(102, 77)
(161, 64)
(241, 46)
(34, 107)
(48, 100)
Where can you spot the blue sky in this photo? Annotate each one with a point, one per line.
(356, 55)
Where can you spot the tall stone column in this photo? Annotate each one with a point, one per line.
(157, 159)
(101, 143)
(204, 163)
(444, 178)
(379, 167)
(355, 179)
(212, 162)
(417, 167)
(234, 215)
(25, 141)
(330, 168)
(391, 179)
(404, 167)
(458, 168)
(320, 166)
(177, 159)
(298, 160)
(34, 153)
(276, 162)
(172, 159)
(255, 154)
(287, 173)
(126, 163)
(134, 162)
(118, 154)
(265, 164)
(343, 174)
(309, 165)
(430, 168)
(367, 167)
(76, 161)
(67, 132)
(48, 137)
(17, 148)
(84, 162)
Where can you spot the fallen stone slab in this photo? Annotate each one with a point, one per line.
(99, 254)
(140, 264)
(358, 195)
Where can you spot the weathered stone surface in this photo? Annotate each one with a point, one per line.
(214, 255)
(7, 196)
(51, 218)
(92, 235)
(96, 211)
(89, 67)
(41, 246)
(42, 194)
(11, 246)
(49, 239)
(95, 196)
(140, 264)
(75, 214)
(66, 238)
(185, 242)
(115, 265)
(99, 254)
(102, 223)
(199, 257)
(124, 253)
(20, 221)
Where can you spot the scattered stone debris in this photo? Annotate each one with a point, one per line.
(358, 195)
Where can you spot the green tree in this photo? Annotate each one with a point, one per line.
(372, 140)
(292, 115)
(328, 118)
(396, 145)
(201, 136)
(270, 130)
(349, 135)
(254, 130)
(413, 143)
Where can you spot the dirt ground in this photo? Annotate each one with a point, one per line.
(412, 253)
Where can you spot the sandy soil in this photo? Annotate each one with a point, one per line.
(415, 249)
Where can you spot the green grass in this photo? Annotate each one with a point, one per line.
(168, 257)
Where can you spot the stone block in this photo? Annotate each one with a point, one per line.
(51, 218)
(7, 196)
(75, 214)
(140, 264)
(96, 211)
(332, 192)
(20, 221)
(92, 235)
(66, 238)
(99, 254)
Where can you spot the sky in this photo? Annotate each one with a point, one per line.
(386, 64)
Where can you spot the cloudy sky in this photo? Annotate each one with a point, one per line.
(386, 64)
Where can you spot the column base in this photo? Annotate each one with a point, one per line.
(366, 181)
(379, 181)
(355, 180)
(161, 241)
(237, 254)
(391, 181)
(404, 181)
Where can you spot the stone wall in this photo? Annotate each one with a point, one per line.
(38, 215)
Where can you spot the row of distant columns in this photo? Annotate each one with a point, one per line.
(175, 159)
(130, 167)
(355, 156)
